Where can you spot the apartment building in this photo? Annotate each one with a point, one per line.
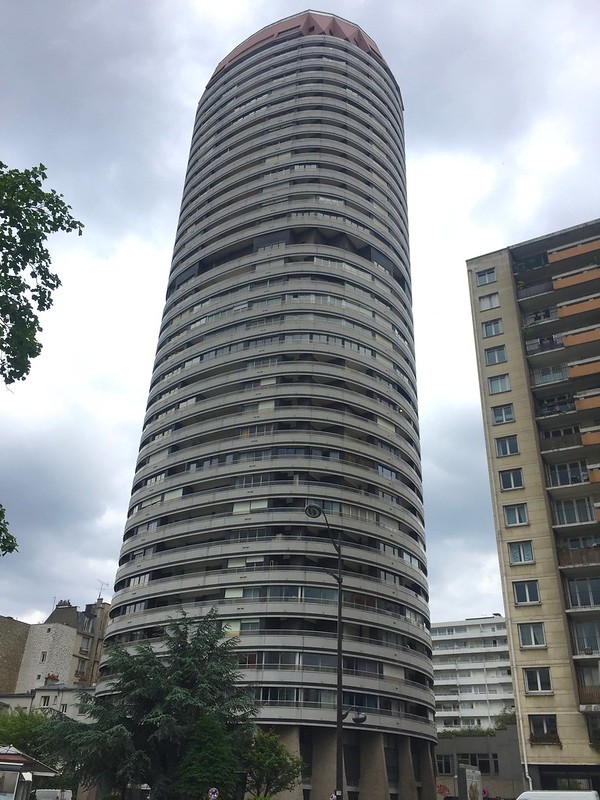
(472, 675)
(536, 315)
(285, 380)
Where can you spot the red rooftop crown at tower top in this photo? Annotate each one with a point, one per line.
(308, 23)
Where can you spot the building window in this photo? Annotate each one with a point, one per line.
(499, 383)
(487, 301)
(507, 446)
(63, 708)
(486, 763)
(516, 514)
(495, 355)
(568, 474)
(520, 552)
(584, 592)
(445, 764)
(502, 414)
(537, 679)
(45, 700)
(486, 276)
(526, 592)
(570, 512)
(531, 634)
(43, 656)
(542, 729)
(493, 327)
(511, 479)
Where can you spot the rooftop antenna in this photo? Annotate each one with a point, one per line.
(103, 585)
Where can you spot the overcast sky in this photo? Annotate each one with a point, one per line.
(502, 120)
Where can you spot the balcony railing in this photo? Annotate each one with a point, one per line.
(539, 377)
(543, 344)
(537, 288)
(545, 315)
(579, 557)
(589, 695)
(558, 442)
(545, 738)
(560, 407)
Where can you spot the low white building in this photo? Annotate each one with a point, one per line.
(472, 675)
(58, 697)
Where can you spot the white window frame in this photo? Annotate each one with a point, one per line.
(528, 627)
(501, 408)
(511, 484)
(489, 301)
(486, 276)
(521, 550)
(493, 327)
(497, 384)
(535, 679)
(530, 592)
(512, 437)
(495, 355)
(515, 514)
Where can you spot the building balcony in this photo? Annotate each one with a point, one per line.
(573, 280)
(589, 695)
(582, 557)
(584, 369)
(543, 344)
(590, 436)
(554, 444)
(583, 343)
(535, 289)
(586, 310)
(579, 252)
(587, 401)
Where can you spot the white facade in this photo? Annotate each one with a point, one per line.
(49, 650)
(472, 676)
(53, 697)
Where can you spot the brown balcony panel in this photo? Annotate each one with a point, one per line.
(578, 558)
(585, 403)
(589, 695)
(573, 252)
(594, 475)
(590, 438)
(577, 278)
(581, 370)
(583, 307)
(574, 339)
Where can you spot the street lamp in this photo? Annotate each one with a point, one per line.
(314, 512)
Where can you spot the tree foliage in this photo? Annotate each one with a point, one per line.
(209, 760)
(269, 766)
(28, 215)
(141, 731)
(23, 730)
(8, 543)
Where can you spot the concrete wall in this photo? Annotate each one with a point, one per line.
(57, 642)
(13, 636)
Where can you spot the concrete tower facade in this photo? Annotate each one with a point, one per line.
(285, 376)
(536, 311)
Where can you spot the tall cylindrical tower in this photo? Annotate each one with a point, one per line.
(285, 376)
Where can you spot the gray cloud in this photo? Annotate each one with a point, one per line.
(104, 93)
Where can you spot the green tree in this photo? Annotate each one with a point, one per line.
(269, 766)
(23, 730)
(8, 543)
(28, 215)
(140, 732)
(210, 760)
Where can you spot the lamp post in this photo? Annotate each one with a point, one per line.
(314, 512)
